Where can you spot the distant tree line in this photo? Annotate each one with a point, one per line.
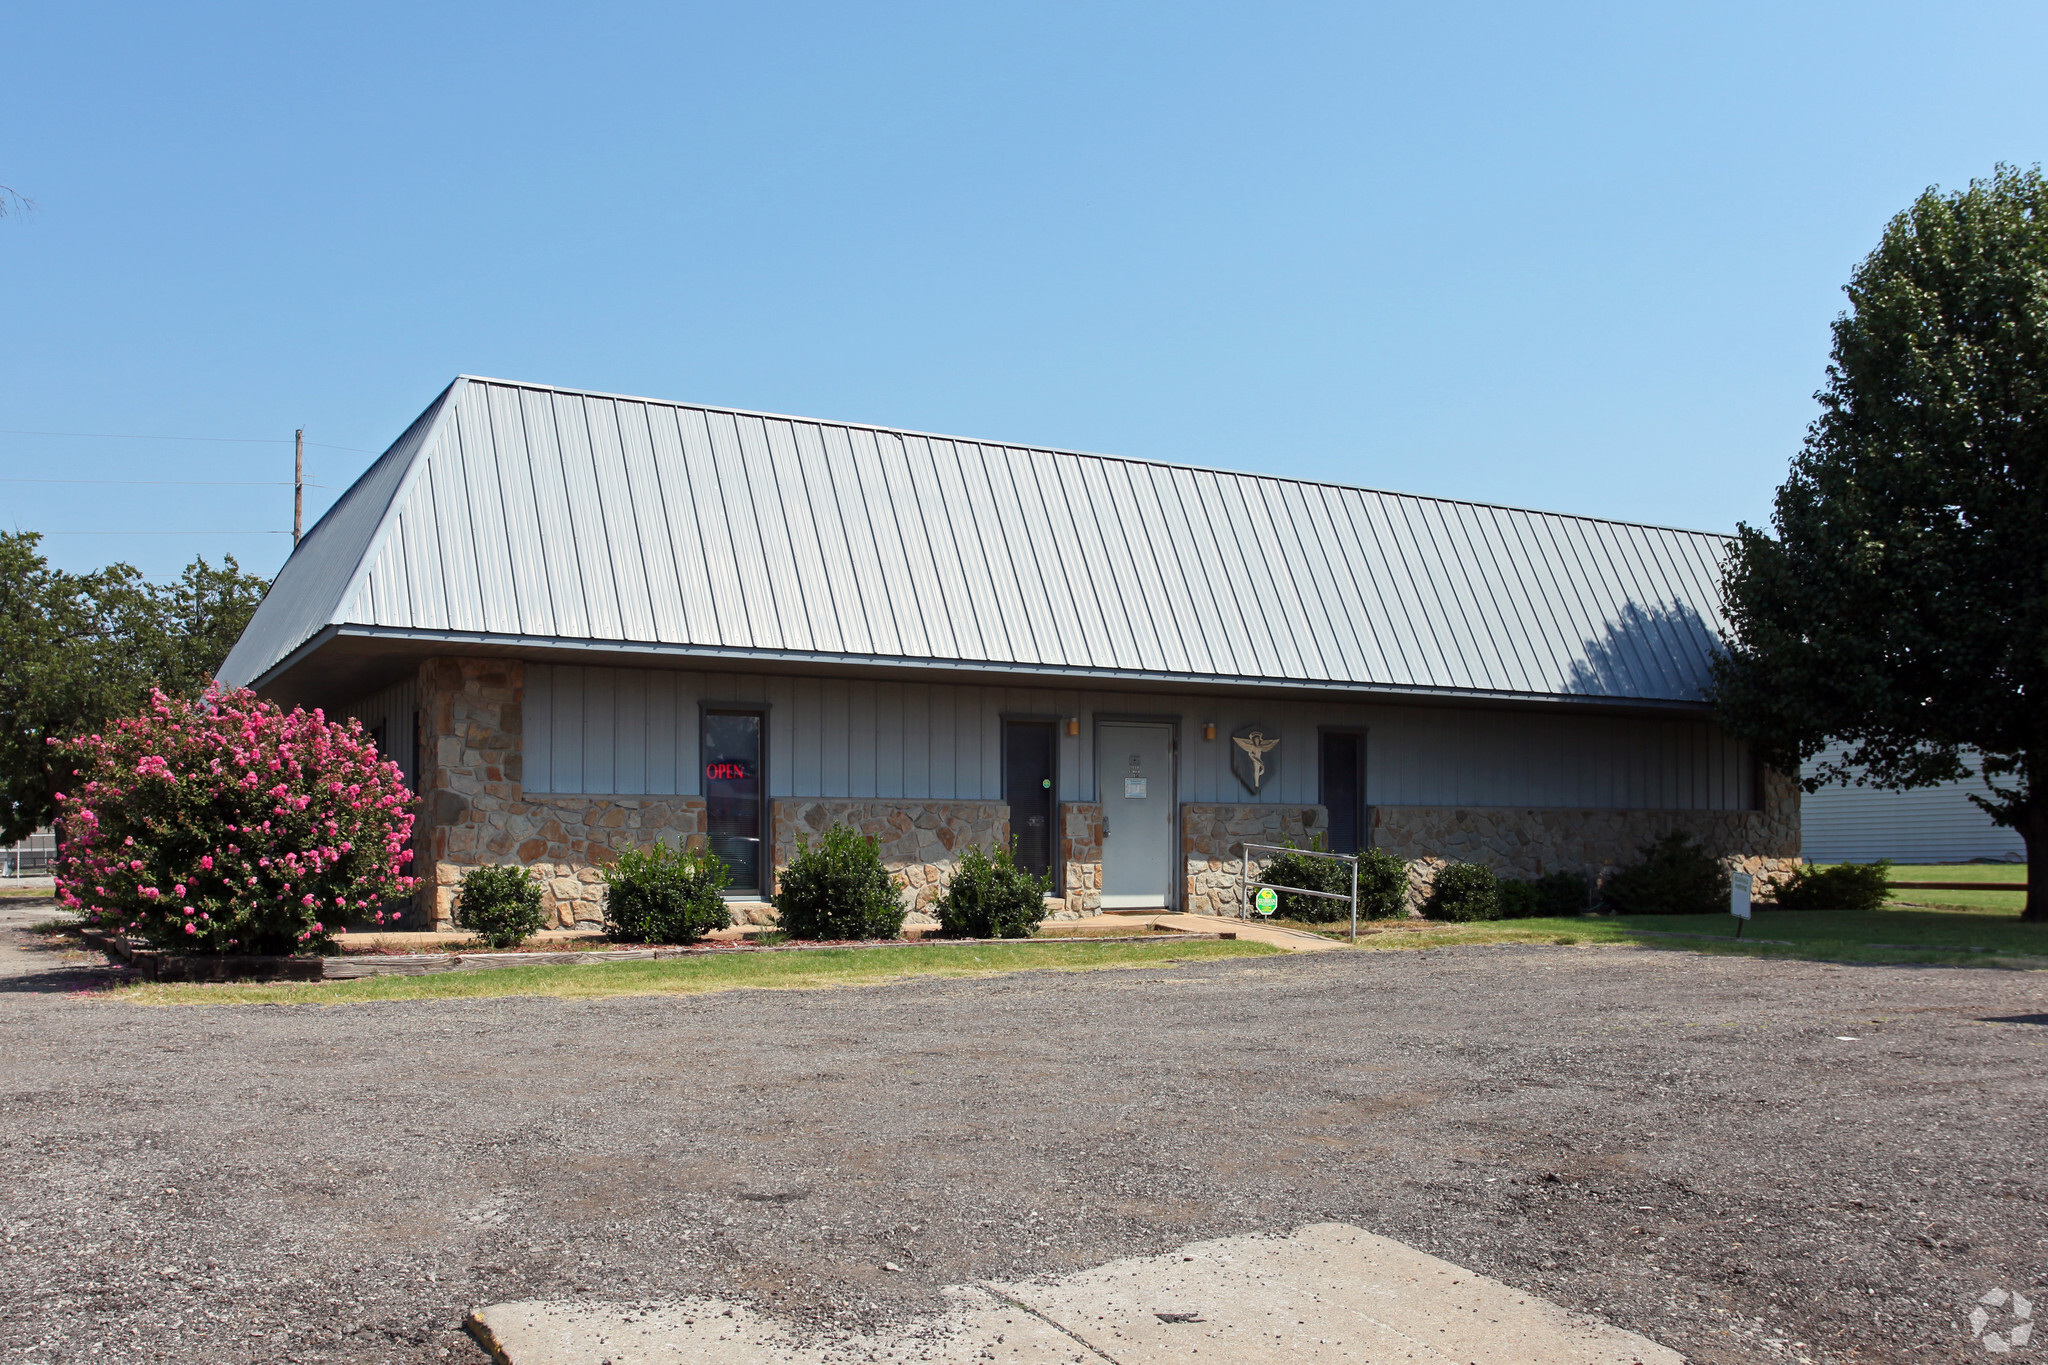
(77, 650)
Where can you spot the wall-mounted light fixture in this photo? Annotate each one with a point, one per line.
(1209, 730)
(1073, 725)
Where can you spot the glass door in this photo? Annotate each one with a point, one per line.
(733, 790)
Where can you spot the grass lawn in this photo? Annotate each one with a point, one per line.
(698, 975)
(1990, 874)
(1909, 935)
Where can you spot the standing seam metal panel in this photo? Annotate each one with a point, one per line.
(765, 494)
(559, 547)
(657, 554)
(518, 509)
(620, 518)
(835, 556)
(498, 603)
(524, 546)
(862, 533)
(813, 586)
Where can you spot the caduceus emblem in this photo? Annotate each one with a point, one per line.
(1256, 746)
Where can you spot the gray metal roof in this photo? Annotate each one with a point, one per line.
(529, 515)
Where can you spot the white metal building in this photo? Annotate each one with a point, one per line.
(1926, 825)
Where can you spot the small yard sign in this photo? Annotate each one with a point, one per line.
(1266, 901)
(1738, 899)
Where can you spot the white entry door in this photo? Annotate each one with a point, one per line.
(1134, 779)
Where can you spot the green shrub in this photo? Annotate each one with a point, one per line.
(838, 889)
(1464, 891)
(992, 898)
(1562, 894)
(1294, 868)
(1676, 876)
(1516, 900)
(665, 895)
(1382, 885)
(500, 905)
(1845, 886)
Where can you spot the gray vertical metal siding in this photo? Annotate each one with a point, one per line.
(392, 709)
(614, 730)
(1927, 825)
(519, 511)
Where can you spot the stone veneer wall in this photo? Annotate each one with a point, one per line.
(921, 841)
(1210, 838)
(475, 809)
(1080, 859)
(1527, 842)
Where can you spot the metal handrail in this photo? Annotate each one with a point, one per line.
(1245, 881)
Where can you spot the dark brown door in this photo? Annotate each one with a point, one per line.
(1028, 788)
(1343, 783)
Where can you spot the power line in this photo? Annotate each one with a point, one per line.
(215, 440)
(184, 483)
(161, 533)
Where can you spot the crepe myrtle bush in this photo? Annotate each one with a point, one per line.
(500, 905)
(225, 824)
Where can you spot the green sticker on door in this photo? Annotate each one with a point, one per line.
(1267, 901)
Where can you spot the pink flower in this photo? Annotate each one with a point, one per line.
(191, 929)
(178, 890)
(207, 862)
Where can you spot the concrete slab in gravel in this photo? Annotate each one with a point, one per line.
(977, 1326)
(1328, 1293)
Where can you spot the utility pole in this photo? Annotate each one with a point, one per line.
(298, 484)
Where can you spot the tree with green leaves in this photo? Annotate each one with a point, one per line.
(1900, 605)
(77, 650)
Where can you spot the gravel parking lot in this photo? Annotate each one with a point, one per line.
(1747, 1160)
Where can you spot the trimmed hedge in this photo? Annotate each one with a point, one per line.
(837, 889)
(1382, 885)
(1294, 868)
(665, 895)
(992, 897)
(500, 905)
(1845, 886)
(1464, 892)
(1554, 895)
(1676, 876)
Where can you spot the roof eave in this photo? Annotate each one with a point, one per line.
(645, 653)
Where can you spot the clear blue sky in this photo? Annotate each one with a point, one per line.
(1565, 256)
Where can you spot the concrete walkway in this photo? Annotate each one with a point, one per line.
(30, 961)
(1251, 931)
(1328, 1293)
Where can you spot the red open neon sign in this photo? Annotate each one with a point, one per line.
(726, 772)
